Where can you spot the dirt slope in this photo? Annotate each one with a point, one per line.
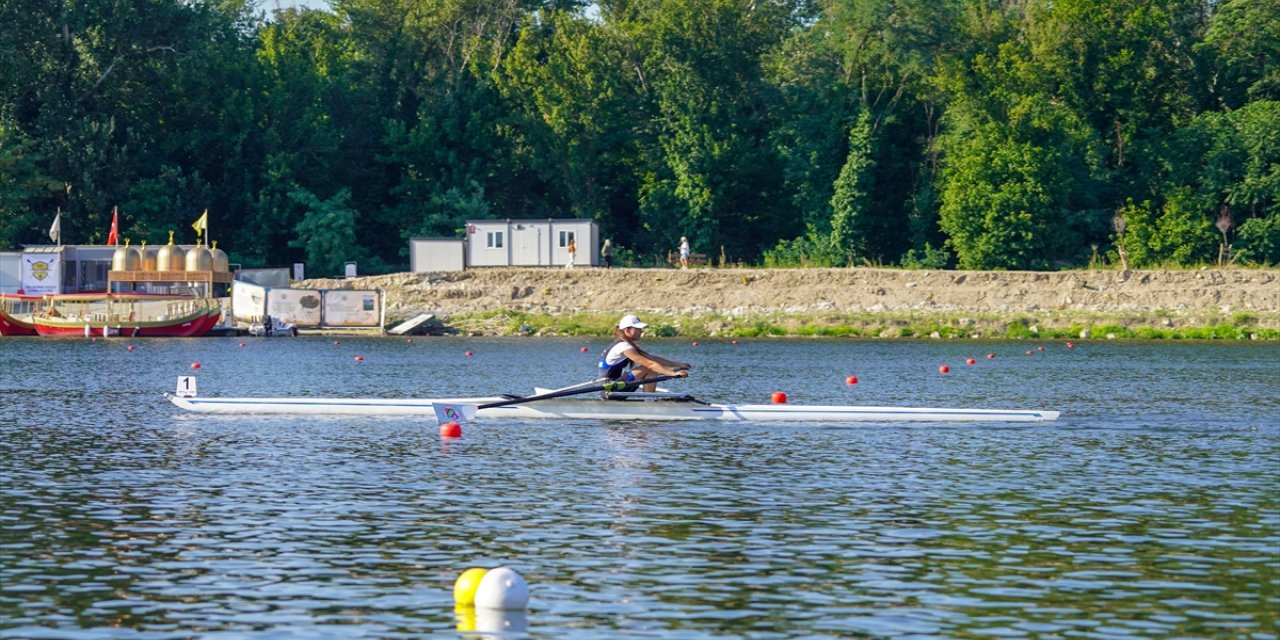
(1192, 296)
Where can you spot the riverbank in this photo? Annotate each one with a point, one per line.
(882, 303)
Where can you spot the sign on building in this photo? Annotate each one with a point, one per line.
(41, 273)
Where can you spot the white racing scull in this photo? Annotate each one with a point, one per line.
(636, 406)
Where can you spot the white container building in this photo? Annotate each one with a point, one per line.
(531, 243)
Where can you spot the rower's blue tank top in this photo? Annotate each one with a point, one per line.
(615, 371)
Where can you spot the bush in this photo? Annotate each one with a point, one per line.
(1258, 240)
(928, 258)
(810, 250)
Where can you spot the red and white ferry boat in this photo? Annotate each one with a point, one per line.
(108, 314)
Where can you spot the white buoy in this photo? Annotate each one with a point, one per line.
(501, 622)
(502, 588)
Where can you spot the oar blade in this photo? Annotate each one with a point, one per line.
(454, 412)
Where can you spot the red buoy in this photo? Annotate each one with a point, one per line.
(359, 358)
(944, 369)
(971, 361)
(1040, 348)
(733, 342)
(470, 353)
(195, 365)
(337, 342)
(131, 347)
(410, 340)
(1071, 345)
(778, 397)
(991, 356)
(241, 344)
(450, 430)
(695, 344)
(851, 380)
(583, 349)
(1029, 352)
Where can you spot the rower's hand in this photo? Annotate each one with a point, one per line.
(681, 373)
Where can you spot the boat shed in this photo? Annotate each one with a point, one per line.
(531, 243)
(65, 268)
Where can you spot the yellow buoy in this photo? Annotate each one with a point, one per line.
(464, 618)
(464, 590)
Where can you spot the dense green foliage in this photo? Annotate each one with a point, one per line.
(1024, 134)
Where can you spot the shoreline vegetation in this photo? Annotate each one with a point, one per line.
(1207, 304)
(1047, 326)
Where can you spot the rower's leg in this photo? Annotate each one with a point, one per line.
(641, 373)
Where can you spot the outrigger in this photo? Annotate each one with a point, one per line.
(616, 402)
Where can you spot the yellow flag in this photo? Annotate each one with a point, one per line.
(202, 223)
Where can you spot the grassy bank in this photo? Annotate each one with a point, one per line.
(1066, 325)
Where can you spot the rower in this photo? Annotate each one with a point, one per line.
(625, 360)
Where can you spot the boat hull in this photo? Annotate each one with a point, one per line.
(15, 314)
(14, 326)
(609, 410)
(99, 318)
(185, 328)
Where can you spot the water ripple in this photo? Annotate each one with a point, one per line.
(1150, 511)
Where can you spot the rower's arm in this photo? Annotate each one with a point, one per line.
(674, 364)
(655, 364)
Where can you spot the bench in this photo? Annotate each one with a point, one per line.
(695, 259)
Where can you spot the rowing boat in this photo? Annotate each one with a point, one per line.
(635, 406)
(611, 410)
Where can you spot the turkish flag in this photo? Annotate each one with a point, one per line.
(113, 238)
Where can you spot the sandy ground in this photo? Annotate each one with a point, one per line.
(1198, 297)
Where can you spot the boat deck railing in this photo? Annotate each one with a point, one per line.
(132, 310)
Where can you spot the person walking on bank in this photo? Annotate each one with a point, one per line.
(625, 360)
(573, 250)
(606, 254)
(684, 252)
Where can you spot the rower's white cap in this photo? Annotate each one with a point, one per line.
(629, 321)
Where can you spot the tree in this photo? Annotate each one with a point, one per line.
(1258, 240)
(1244, 39)
(851, 206)
(310, 139)
(703, 151)
(568, 77)
(23, 183)
(111, 94)
(327, 233)
(1014, 195)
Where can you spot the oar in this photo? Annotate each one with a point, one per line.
(459, 412)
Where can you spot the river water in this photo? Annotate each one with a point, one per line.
(1151, 509)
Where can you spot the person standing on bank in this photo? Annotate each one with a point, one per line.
(684, 252)
(606, 253)
(625, 360)
(573, 250)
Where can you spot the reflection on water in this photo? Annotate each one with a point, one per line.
(1150, 510)
(490, 623)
